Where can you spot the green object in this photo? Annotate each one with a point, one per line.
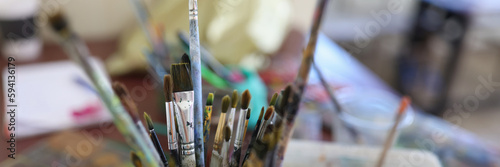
(212, 78)
(208, 75)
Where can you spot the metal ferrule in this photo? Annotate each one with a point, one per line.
(230, 119)
(187, 149)
(220, 127)
(238, 140)
(193, 9)
(263, 129)
(171, 132)
(184, 104)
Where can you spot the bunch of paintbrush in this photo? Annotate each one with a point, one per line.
(78, 51)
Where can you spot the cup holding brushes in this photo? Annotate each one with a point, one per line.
(184, 100)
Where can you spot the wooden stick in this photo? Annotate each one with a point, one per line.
(194, 52)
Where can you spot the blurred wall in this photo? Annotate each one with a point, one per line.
(92, 19)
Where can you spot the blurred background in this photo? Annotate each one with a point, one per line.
(443, 54)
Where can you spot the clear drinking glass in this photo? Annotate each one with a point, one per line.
(370, 114)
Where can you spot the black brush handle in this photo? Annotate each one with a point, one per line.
(235, 158)
(253, 139)
(156, 143)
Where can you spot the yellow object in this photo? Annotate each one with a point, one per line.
(231, 29)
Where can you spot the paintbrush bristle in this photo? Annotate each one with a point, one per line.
(273, 99)
(261, 113)
(135, 159)
(234, 99)
(58, 22)
(227, 133)
(185, 59)
(225, 103)
(120, 89)
(269, 113)
(127, 102)
(181, 78)
(149, 122)
(278, 101)
(284, 99)
(405, 102)
(167, 87)
(210, 99)
(245, 99)
(248, 113)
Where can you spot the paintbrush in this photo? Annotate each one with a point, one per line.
(214, 160)
(233, 76)
(170, 118)
(262, 151)
(247, 118)
(225, 146)
(405, 102)
(78, 51)
(338, 108)
(232, 112)
(274, 98)
(185, 59)
(184, 99)
(135, 159)
(273, 102)
(281, 105)
(207, 116)
(154, 138)
(153, 33)
(254, 135)
(194, 52)
(131, 109)
(240, 131)
(300, 83)
(220, 159)
(222, 122)
(263, 128)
